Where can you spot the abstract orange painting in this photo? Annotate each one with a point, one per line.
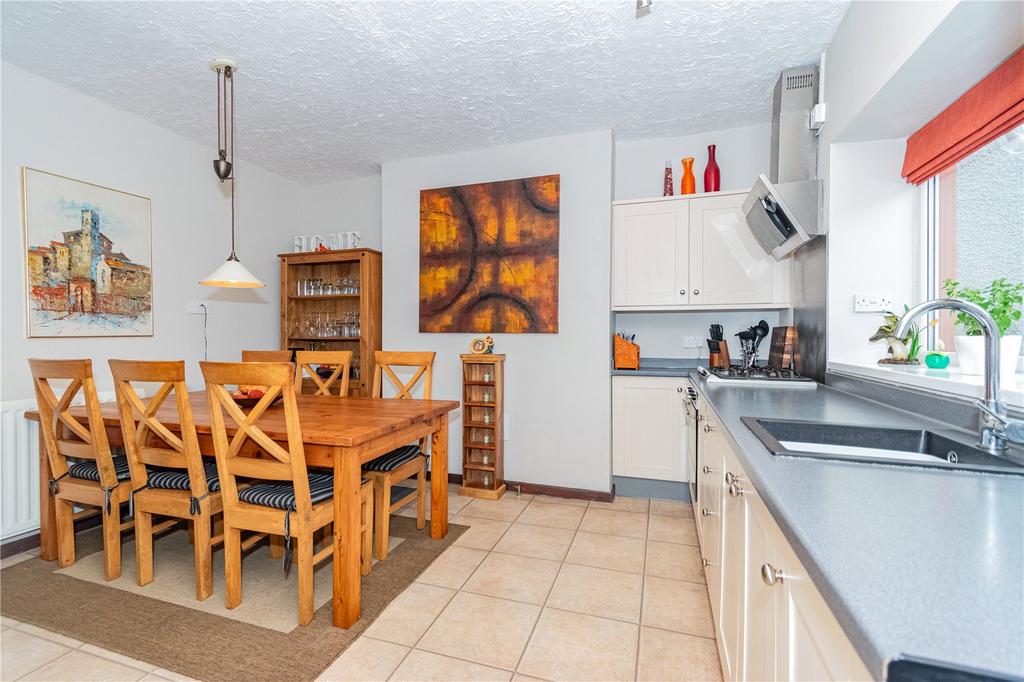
(489, 257)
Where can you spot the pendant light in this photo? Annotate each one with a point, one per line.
(232, 273)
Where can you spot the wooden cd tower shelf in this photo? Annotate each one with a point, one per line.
(483, 449)
(354, 265)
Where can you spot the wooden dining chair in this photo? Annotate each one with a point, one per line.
(83, 469)
(169, 475)
(402, 463)
(266, 356)
(341, 360)
(286, 484)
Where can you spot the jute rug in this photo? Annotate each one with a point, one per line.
(192, 640)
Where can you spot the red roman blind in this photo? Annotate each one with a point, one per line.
(989, 110)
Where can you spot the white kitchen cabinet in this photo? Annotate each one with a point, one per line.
(647, 427)
(650, 246)
(771, 622)
(692, 252)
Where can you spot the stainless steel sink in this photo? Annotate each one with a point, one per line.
(911, 447)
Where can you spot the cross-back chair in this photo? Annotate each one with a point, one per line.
(289, 500)
(83, 469)
(405, 462)
(169, 475)
(266, 356)
(340, 359)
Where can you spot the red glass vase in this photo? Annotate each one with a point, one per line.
(712, 176)
(666, 190)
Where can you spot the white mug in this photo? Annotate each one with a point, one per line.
(353, 238)
(301, 243)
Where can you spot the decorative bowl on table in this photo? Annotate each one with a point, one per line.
(249, 396)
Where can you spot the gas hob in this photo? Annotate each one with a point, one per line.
(757, 376)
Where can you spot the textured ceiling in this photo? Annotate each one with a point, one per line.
(327, 91)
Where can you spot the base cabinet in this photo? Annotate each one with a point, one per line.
(771, 622)
(647, 427)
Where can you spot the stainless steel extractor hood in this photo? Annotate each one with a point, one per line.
(783, 208)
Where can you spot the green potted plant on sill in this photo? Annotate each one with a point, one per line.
(1003, 300)
(899, 351)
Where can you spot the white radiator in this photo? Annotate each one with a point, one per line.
(19, 467)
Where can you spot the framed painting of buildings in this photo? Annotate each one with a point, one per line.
(489, 257)
(88, 258)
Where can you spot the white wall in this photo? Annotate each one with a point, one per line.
(742, 154)
(52, 128)
(660, 335)
(343, 206)
(874, 243)
(557, 395)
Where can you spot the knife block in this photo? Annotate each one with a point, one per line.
(625, 354)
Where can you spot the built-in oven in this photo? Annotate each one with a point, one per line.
(690, 423)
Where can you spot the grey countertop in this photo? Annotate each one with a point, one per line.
(912, 561)
(661, 367)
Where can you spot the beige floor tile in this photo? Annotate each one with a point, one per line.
(52, 636)
(457, 503)
(82, 666)
(611, 522)
(482, 533)
(607, 551)
(598, 592)
(425, 666)
(568, 501)
(165, 674)
(482, 629)
(410, 614)
(22, 653)
(573, 646)
(552, 515)
(675, 656)
(508, 508)
(678, 562)
(678, 606)
(673, 529)
(118, 658)
(509, 576)
(9, 622)
(637, 505)
(153, 677)
(672, 508)
(519, 677)
(536, 541)
(366, 659)
(453, 567)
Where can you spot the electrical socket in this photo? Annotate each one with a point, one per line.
(872, 303)
(692, 342)
(197, 308)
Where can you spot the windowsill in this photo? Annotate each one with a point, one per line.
(948, 381)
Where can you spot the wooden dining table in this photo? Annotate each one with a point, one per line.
(338, 433)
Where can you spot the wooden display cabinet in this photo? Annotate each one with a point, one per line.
(297, 307)
(483, 447)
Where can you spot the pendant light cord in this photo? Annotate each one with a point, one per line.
(230, 77)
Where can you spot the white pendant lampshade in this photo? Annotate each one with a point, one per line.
(232, 274)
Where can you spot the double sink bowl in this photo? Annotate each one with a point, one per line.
(880, 445)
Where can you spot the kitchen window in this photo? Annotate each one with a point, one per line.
(975, 224)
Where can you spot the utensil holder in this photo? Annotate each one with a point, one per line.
(625, 354)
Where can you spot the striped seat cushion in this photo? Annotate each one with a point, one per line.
(393, 459)
(398, 492)
(177, 479)
(88, 470)
(282, 495)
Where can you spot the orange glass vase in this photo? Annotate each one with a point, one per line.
(688, 185)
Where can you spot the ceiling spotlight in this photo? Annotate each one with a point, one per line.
(642, 4)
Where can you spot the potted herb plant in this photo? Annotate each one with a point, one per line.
(1003, 300)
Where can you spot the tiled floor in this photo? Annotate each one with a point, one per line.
(537, 588)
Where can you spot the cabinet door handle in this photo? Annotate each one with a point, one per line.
(735, 490)
(770, 575)
(706, 469)
(705, 562)
(705, 512)
(708, 428)
(696, 292)
(731, 478)
(682, 292)
(679, 389)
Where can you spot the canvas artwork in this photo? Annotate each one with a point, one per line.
(489, 257)
(88, 258)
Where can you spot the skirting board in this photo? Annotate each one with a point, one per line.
(549, 490)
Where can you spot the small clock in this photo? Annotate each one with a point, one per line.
(482, 344)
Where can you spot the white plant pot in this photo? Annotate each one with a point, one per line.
(970, 353)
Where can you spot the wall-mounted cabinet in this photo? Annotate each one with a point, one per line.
(691, 253)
